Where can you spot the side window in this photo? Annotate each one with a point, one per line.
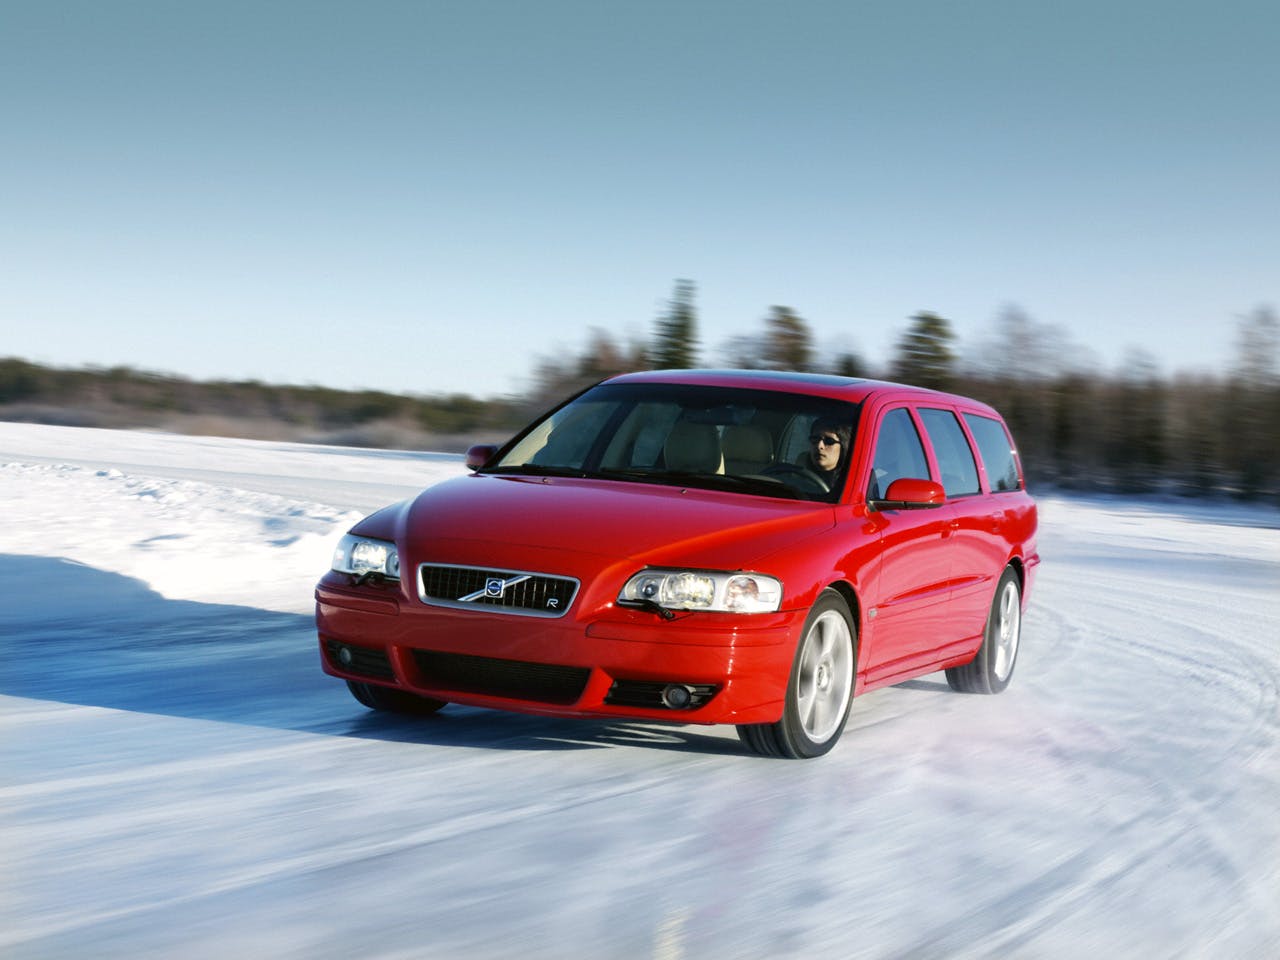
(955, 459)
(997, 452)
(899, 453)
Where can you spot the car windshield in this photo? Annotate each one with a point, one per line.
(757, 442)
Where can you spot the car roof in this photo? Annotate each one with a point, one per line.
(852, 389)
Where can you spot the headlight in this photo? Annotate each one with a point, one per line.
(363, 555)
(704, 590)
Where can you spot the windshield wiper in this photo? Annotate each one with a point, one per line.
(656, 473)
(721, 481)
(538, 470)
(631, 473)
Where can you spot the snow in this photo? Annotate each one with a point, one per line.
(180, 779)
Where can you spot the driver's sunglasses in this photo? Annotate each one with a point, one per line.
(825, 441)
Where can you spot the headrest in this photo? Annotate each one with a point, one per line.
(694, 447)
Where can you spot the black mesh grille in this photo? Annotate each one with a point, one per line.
(531, 594)
(364, 661)
(516, 679)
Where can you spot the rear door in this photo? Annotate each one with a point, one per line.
(975, 560)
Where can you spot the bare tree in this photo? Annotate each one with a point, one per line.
(1253, 426)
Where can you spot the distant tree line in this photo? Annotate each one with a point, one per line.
(1129, 431)
(123, 397)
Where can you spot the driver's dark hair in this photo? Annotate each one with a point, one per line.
(833, 426)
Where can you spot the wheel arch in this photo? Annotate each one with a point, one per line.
(850, 597)
(1019, 568)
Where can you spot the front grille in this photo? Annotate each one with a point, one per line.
(509, 591)
(365, 661)
(515, 679)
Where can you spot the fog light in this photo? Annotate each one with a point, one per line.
(676, 696)
(344, 656)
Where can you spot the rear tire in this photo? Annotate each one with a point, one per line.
(819, 690)
(991, 669)
(389, 700)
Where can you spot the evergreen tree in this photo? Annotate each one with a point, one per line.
(850, 364)
(676, 339)
(788, 343)
(925, 356)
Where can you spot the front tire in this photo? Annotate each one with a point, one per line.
(389, 700)
(992, 668)
(819, 690)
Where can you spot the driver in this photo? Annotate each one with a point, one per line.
(828, 449)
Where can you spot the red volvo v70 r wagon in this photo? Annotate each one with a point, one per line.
(736, 547)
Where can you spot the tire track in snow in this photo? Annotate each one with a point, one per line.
(1245, 690)
(342, 855)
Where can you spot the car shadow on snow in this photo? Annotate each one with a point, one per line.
(924, 684)
(75, 634)
(474, 727)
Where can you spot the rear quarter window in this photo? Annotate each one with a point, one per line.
(950, 446)
(996, 450)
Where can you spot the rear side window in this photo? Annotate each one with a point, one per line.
(899, 453)
(955, 459)
(996, 450)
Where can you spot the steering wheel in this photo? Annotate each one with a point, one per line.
(806, 476)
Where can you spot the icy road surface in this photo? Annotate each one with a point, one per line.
(179, 779)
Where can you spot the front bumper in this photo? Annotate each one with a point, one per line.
(612, 664)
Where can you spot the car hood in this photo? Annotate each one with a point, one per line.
(477, 516)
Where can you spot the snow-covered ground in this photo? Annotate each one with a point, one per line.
(178, 778)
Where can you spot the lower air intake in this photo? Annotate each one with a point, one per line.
(514, 679)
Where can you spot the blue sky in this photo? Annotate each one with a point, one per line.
(430, 197)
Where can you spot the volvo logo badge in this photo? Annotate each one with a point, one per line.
(494, 588)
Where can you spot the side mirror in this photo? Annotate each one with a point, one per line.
(479, 454)
(910, 493)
